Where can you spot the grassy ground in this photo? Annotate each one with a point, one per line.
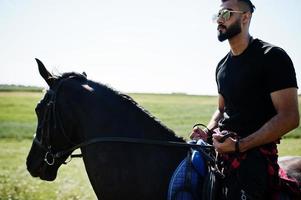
(18, 122)
(16, 183)
(17, 116)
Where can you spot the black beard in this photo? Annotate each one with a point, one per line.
(231, 31)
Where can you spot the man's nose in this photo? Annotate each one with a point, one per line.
(220, 21)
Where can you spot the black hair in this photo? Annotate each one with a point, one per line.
(248, 2)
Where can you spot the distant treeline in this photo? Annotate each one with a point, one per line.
(19, 88)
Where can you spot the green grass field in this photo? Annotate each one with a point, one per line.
(18, 123)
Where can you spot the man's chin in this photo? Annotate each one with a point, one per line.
(221, 38)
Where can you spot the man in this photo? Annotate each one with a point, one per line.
(257, 101)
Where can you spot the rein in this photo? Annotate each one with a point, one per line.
(134, 141)
(52, 155)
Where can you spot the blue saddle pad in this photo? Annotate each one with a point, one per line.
(186, 181)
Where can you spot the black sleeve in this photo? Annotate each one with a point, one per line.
(217, 69)
(216, 78)
(279, 70)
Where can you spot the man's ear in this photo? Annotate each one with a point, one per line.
(246, 18)
(47, 76)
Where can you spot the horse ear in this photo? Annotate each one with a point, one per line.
(47, 76)
(84, 73)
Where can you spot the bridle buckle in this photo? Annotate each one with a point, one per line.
(49, 158)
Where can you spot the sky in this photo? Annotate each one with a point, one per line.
(157, 46)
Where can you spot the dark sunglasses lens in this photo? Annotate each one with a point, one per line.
(225, 14)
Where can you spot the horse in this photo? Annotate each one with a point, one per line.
(127, 152)
(76, 109)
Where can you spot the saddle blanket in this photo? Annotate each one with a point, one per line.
(186, 182)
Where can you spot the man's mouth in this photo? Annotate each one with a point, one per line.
(220, 27)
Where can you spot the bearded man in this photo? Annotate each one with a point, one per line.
(257, 103)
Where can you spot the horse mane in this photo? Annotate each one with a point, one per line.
(123, 98)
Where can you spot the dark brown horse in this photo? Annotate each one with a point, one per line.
(76, 111)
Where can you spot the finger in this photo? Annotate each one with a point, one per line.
(217, 136)
(225, 137)
(191, 136)
(215, 142)
(196, 129)
(217, 131)
(194, 135)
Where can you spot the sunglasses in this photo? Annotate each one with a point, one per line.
(225, 14)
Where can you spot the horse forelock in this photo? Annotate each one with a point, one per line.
(73, 75)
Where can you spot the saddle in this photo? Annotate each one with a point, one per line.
(194, 178)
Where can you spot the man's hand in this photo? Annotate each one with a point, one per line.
(198, 133)
(226, 146)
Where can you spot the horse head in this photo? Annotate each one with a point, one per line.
(54, 124)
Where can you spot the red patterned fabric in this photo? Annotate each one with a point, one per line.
(278, 179)
(288, 185)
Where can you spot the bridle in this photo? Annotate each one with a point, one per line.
(51, 155)
(51, 114)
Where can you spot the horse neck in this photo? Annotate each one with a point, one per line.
(117, 116)
(94, 110)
